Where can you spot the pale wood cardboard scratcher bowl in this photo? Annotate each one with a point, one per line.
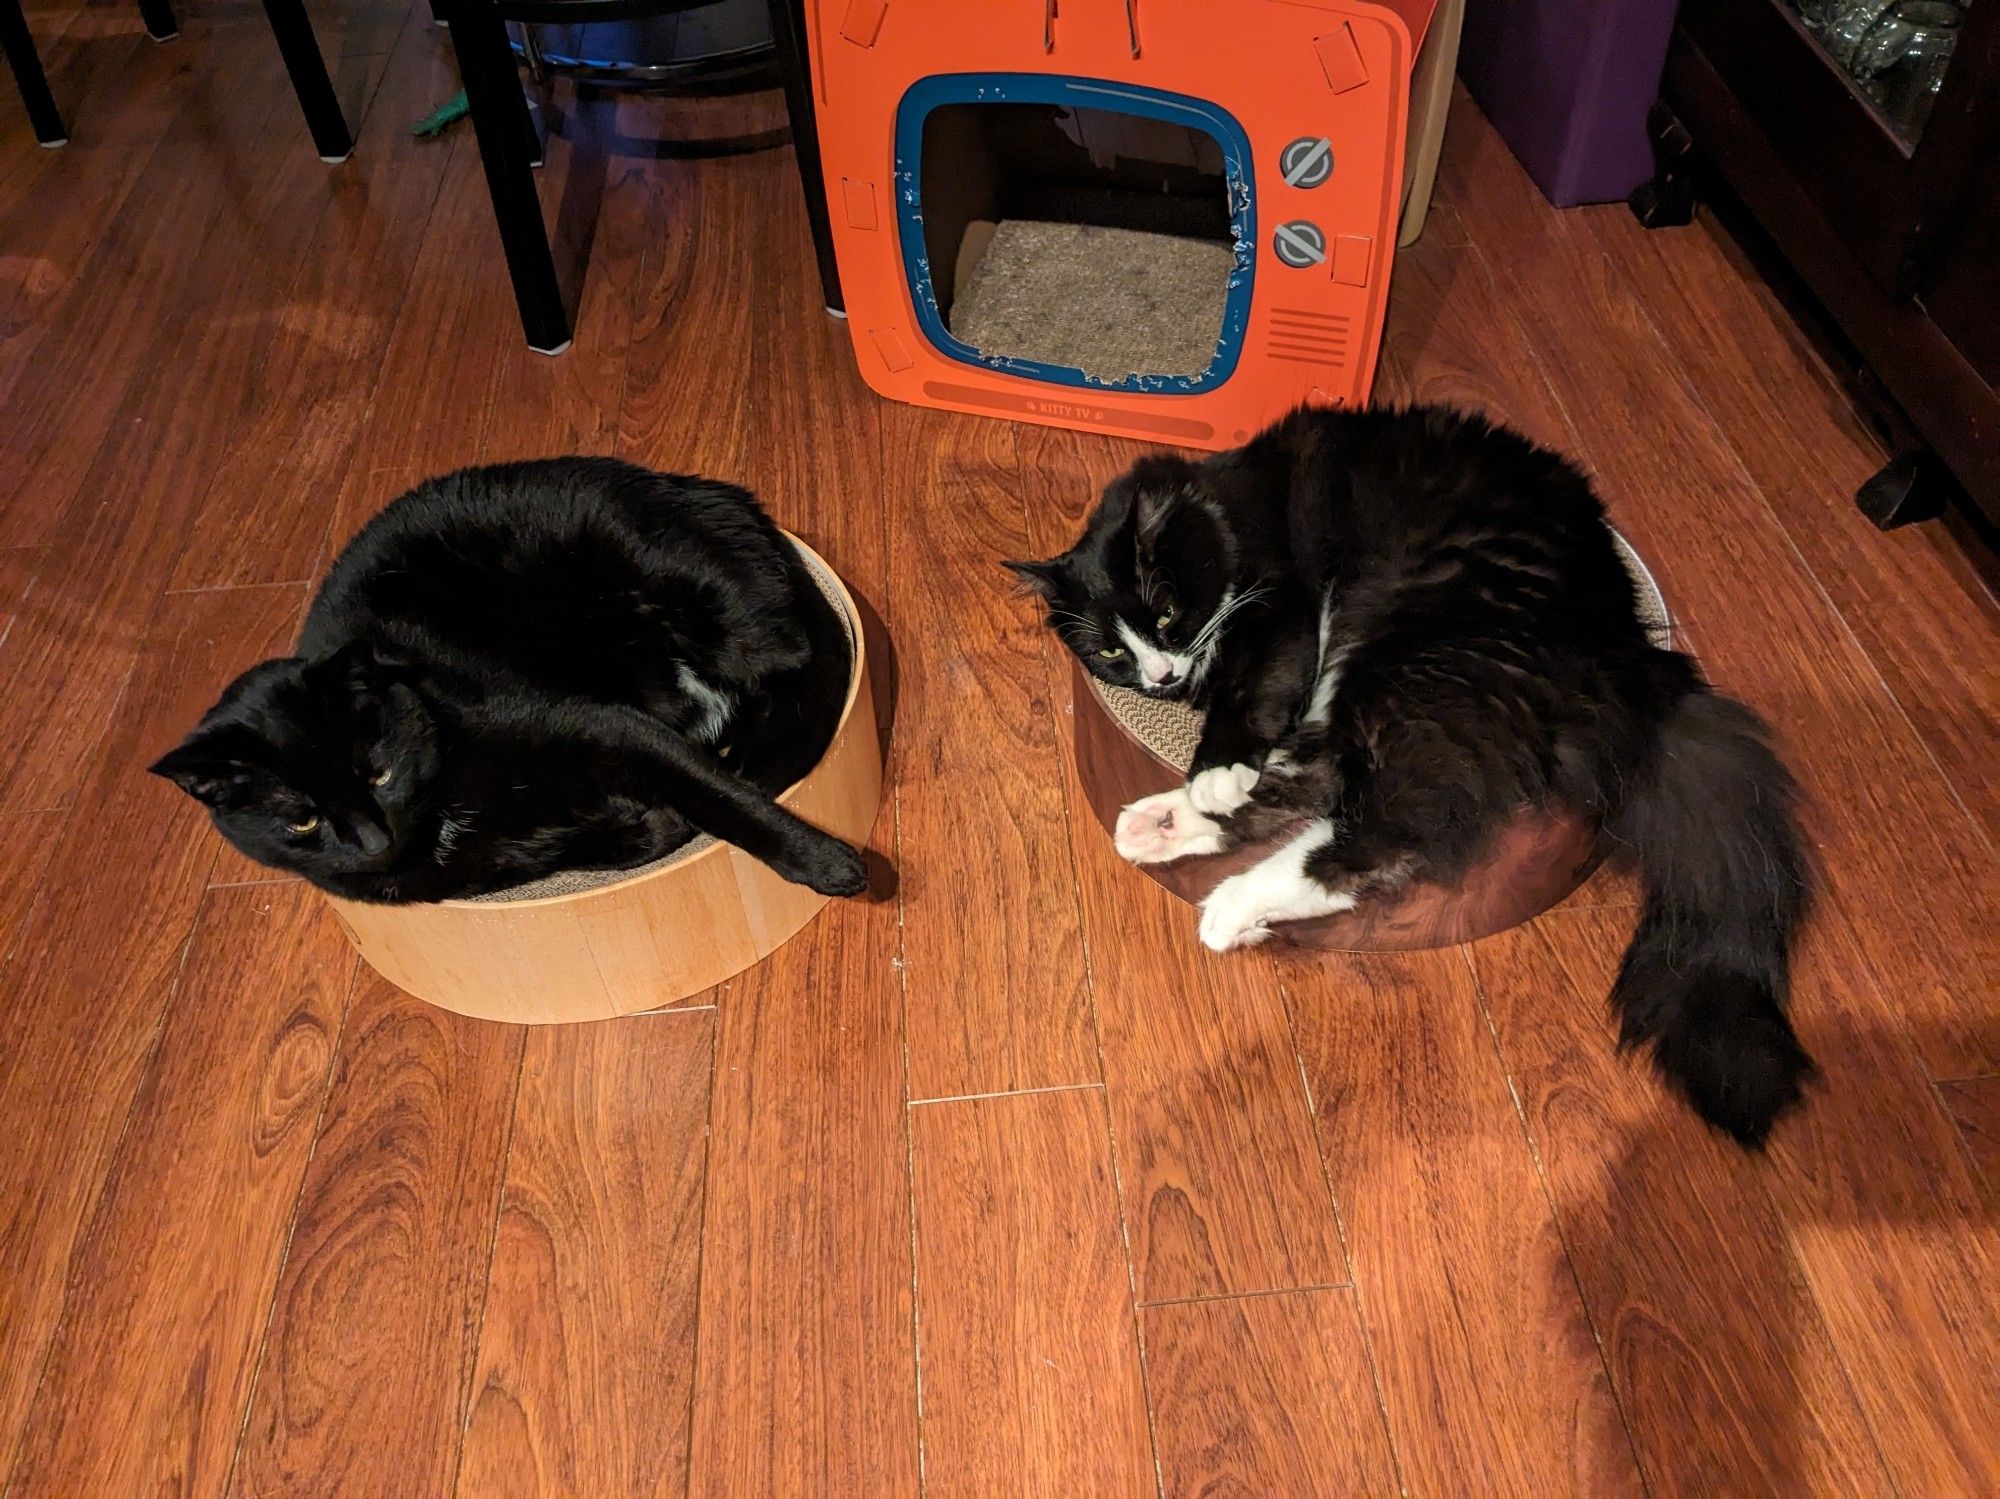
(1129, 745)
(588, 946)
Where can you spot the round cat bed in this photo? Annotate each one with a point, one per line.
(1129, 745)
(588, 945)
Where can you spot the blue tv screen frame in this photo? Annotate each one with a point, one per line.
(1218, 124)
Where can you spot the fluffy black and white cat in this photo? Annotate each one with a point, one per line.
(533, 667)
(1406, 626)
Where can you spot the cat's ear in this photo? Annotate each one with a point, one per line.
(357, 668)
(1159, 484)
(204, 767)
(1043, 578)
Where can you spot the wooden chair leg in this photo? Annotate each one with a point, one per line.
(19, 45)
(788, 33)
(159, 18)
(500, 122)
(307, 68)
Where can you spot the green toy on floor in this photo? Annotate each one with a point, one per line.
(443, 117)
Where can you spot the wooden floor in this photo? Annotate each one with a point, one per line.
(1003, 1185)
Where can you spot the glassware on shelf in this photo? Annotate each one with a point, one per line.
(1847, 25)
(1820, 14)
(1909, 81)
(1853, 28)
(1896, 51)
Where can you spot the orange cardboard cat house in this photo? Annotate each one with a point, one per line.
(1166, 219)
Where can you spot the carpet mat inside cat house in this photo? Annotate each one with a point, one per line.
(1111, 302)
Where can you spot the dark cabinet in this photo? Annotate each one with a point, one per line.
(1864, 137)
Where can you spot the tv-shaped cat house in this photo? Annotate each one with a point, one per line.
(1167, 219)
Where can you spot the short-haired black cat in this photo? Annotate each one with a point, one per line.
(1407, 626)
(533, 667)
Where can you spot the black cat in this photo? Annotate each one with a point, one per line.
(566, 664)
(1407, 626)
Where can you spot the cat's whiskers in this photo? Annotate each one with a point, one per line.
(456, 822)
(1209, 634)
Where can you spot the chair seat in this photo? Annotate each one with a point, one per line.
(510, 145)
(576, 12)
(732, 45)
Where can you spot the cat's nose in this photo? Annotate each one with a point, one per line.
(1162, 674)
(373, 839)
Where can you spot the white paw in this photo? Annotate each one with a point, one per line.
(1221, 789)
(1155, 829)
(1236, 913)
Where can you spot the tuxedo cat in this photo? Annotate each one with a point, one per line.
(533, 667)
(1407, 626)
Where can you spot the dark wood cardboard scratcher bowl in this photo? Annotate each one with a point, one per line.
(588, 946)
(1129, 746)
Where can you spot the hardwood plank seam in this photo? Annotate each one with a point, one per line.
(1346, 1249)
(336, 478)
(60, 71)
(1052, 669)
(1125, 1243)
(10, 940)
(375, 79)
(1476, 257)
(919, 1103)
(405, 309)
(909, 1151)
(476, 1334)
(27, 593)
(701, 1226)
(701, 1223)
(609, 122)
(174, 593)
(291, 1229)
(177, 324)
(1828, 908)
(1334, 1285)
(106, 1168)
(1777, 517)
(1965, 1149)
(1111, 1138)
(1055, 673)
(1801, 1272)
(1131, 1270)
(901, 964)
(1611, 1382)
(107, 722)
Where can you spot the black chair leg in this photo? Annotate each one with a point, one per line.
(788, 33)
(533, 120)
(300, 49)
(19, 45)
(500, 122)
(159, 18)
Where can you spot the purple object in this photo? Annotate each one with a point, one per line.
(1567, 83)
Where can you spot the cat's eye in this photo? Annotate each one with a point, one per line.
(382, 777)
(1168, 614)
(306, 826)
(1112, 652)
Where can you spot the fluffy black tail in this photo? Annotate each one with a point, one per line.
(1710, 820)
